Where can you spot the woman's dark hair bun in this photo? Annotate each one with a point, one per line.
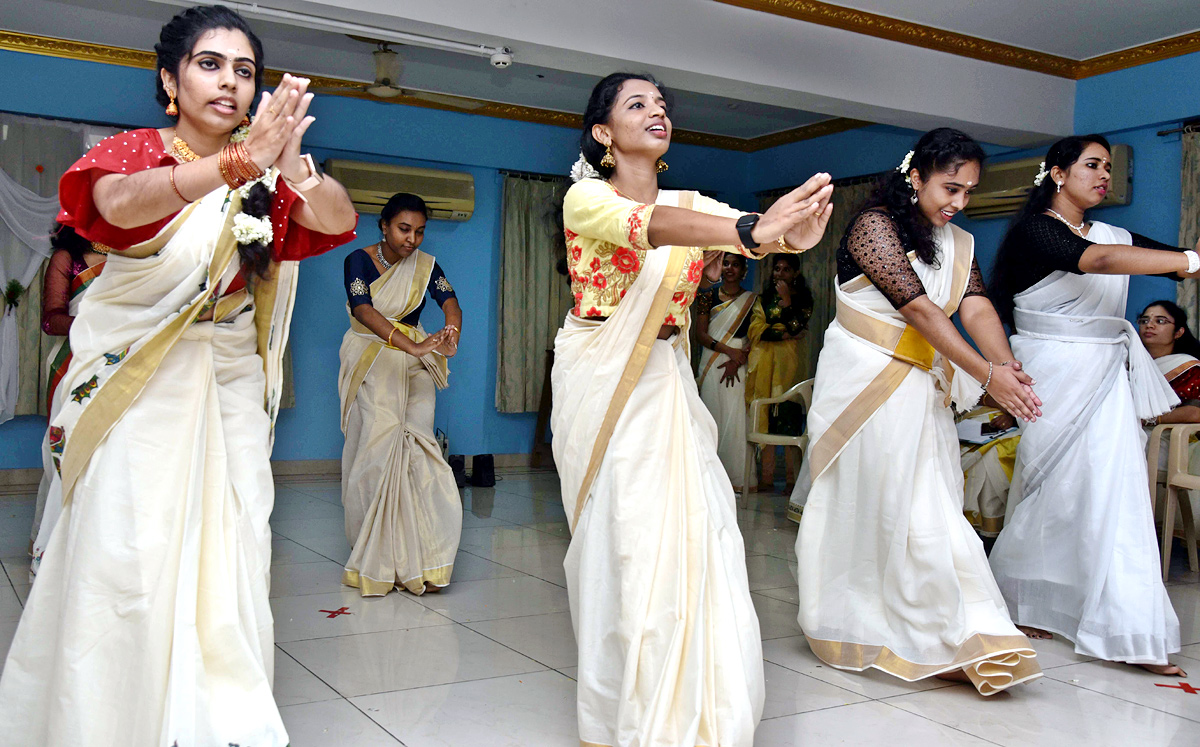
(399, 203)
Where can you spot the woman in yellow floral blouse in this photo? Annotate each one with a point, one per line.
(669, 647)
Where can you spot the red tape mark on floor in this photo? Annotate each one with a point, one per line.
(339, 611)
(1189, 689)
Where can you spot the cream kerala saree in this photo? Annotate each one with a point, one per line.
(149, 622)
(403, 512)
(727, 403)
(669, 647)
(892, 576)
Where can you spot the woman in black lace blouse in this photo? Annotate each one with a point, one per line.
(883, 511)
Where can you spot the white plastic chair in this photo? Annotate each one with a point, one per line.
(756, 430)
(1176, 477)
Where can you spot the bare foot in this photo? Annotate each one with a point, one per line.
(1036, 634)
(956, 675)
(431, 589)
(1167, 670)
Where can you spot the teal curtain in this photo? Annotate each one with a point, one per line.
(534, 297)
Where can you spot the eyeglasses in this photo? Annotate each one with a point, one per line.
(1160, 321)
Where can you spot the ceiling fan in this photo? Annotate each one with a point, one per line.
(387, 78)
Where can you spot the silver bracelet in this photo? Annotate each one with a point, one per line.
(988, 383)
(1193, 261)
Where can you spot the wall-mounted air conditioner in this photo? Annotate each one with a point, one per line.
(1005, 186)
(449, 194)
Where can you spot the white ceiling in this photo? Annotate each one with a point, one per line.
(1076, 29)
(735, 71)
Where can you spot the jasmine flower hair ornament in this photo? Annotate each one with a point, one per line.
(906, 166)
(1041, 174)
(583, 170)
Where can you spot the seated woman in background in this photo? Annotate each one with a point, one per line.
(722, 315)
(73, 266)
(403, 513)
(779, 318)
(988, 470)
(1163, 329)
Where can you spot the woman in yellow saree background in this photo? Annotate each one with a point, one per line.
(892, 576)
(669, 647)
(73, 266)
(149, 622)
(722, 325)
(403, 511)
(779, 318)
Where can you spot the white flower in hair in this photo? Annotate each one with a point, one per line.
(906, 166)
(1041, 174)
(247, 229)
(583, 170)
(268, 180)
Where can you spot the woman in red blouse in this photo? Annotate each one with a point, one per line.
(73, 266)
(149, 618)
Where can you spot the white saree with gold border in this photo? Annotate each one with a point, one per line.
(669, 647)
(149, 622)
(892, 576)
(1078, 554)
(403, 511)
(727, 403)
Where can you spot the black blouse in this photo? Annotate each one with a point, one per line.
(873, 246)
(1042, 244)
(710, 297)
(360, 272)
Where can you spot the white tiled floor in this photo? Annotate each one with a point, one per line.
(491, 660)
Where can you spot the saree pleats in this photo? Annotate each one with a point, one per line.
(727, 405)
(668, 640)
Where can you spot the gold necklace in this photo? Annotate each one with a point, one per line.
(182, 151)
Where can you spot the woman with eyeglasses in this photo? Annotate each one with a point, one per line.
(1078, 554)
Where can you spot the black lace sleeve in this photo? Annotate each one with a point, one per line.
(704, 301)
(975, 285)
(873, 248)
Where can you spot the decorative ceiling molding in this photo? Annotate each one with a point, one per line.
(88, 52)
(920, 35)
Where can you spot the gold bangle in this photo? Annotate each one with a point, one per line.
(787, 248)
(171, 176)
(389, 338)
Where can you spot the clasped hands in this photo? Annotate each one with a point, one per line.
(278, 128)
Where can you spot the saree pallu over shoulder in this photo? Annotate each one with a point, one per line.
(403, 511)
(881, 328)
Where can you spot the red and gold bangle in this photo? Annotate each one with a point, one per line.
(171, 176)
(236, 166)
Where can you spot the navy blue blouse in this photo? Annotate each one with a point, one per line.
(360, 272)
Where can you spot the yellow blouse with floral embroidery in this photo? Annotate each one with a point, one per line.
(607, 243)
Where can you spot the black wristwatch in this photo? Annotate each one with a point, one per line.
(745, 225)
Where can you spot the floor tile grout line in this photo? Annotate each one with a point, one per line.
(457, 682)
(1123, 700)
(939, 723)
(373, 721)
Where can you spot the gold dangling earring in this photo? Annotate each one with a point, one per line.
(661, 166)
(608, 161)
(172, 110)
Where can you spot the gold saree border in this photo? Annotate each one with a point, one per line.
(1174, 371)
(993, 663)
(636, 364)
(118, 393)
(371, 587)
(728, 335)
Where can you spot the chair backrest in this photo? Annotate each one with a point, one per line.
(805, 390)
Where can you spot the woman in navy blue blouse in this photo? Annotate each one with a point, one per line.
(403, 513)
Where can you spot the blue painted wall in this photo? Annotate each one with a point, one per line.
(468, 251)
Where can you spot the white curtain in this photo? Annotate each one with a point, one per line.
(24, 244)
(33, 155)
